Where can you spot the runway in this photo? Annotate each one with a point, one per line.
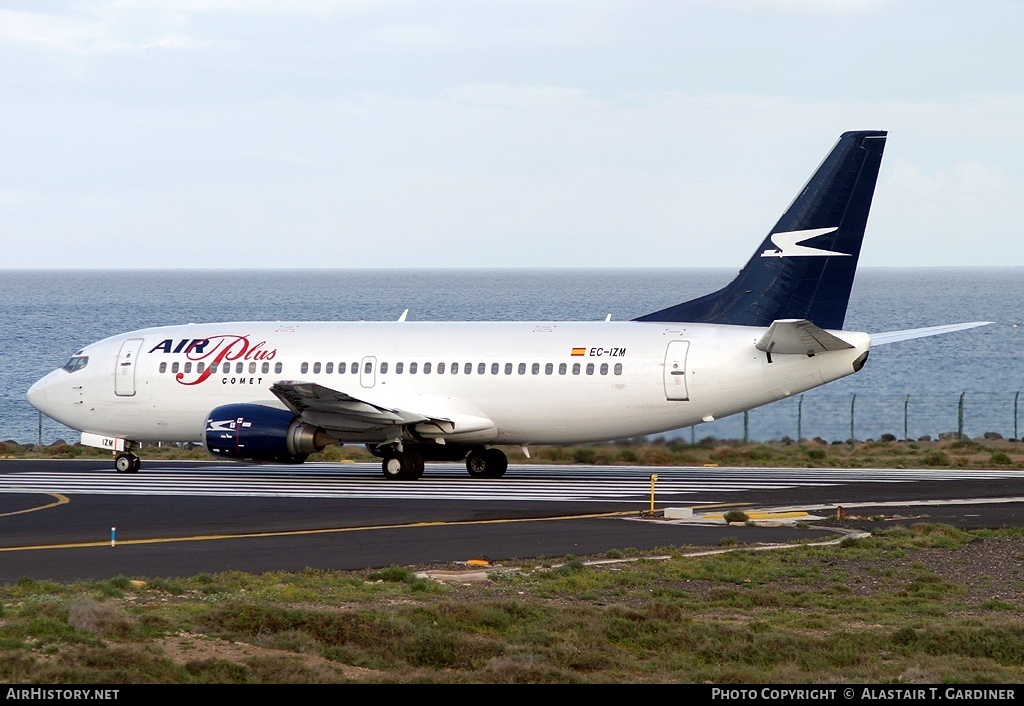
(64, 520)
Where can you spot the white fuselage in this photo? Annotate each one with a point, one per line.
(538, 383)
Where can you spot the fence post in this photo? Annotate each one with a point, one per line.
(799, 420)
(746, 426)
(906, 406)
(853, 401)
(1015, 437)
(960, 418)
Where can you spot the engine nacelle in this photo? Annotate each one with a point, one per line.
(253, 432)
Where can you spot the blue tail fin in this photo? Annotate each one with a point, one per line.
(804, 269)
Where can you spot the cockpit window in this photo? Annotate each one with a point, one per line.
(76, 362)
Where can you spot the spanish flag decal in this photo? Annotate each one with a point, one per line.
(579, 351)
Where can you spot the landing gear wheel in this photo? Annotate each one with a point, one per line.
(497, 463)
(127, 463)
(487, 463)
(417, 466)
(398, 465)
(476, 463)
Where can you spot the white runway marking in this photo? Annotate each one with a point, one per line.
(693, 485)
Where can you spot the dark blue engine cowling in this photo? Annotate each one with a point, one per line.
(254, 432)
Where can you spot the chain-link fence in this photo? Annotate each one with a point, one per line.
(870, 416)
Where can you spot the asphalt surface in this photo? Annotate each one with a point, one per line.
(67, 520)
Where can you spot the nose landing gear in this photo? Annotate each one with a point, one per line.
(127, 462)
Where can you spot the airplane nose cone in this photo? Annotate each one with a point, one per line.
(42, 395)
(37, 395)
(53, 396)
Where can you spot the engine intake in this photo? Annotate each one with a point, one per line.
(253, 432)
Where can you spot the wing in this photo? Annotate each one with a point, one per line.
(798, 336)
(430, 416)
(881, 339)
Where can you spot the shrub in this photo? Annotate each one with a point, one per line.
(936, 458)
(584, 455)
(393, 574)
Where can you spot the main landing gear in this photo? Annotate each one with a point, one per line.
(127, 462)
(487, 463)
(402, 465)
(408, 465)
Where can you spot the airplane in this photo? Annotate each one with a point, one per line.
(413, 392)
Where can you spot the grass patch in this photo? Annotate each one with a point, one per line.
(881, 609)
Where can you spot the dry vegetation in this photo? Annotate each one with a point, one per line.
(887, 452)
(911, 604)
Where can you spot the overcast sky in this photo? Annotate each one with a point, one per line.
(364, 133)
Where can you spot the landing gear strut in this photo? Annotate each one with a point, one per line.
(487, 463)
(402, 465)
(127, 462)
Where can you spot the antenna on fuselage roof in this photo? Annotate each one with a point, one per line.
(404, 314)
(608, 318)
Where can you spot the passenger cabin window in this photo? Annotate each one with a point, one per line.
(383, 368)
(412, 368)
(426, 368)
(328, 368)
(341, 368)
(265, 368)
(277, 367)
(304, 368)
(316, 368)
(399, 367)
(163, 367)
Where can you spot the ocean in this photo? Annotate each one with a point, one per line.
(967, 381)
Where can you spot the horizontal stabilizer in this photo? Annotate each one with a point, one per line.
(799, 336)
(880, 339)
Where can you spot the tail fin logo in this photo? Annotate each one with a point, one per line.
(788, 244)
